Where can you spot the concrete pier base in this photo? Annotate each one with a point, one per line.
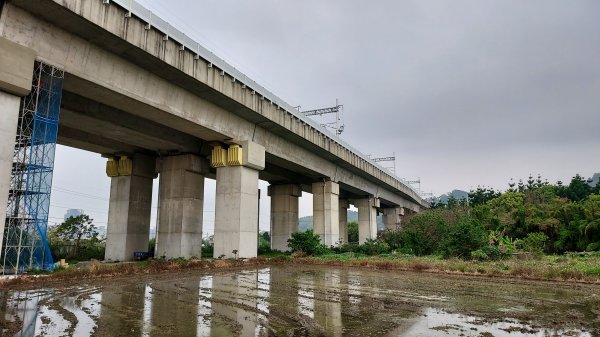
(129, 208)
(367, 218)
(284, 214)
(326, 216)
(236, 218)
(344, 205)
(392, 218)
(181, 203)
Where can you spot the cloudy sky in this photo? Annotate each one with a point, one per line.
(462, 92)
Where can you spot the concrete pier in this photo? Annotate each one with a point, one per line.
(130, 205)
(181, 204)
(9, 115)
(344, 205)
(284, 214)
(367, 218)
(392, 218)
(236, 218)
(326, 216)
(16, 73)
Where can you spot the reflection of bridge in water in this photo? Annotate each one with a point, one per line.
(280, 301)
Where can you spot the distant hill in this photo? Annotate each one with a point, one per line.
(457, 194)
(306, 222)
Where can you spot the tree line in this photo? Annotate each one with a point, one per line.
(543, 217)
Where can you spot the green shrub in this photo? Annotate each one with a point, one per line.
(208, 248)
(495, 252)
(465, 236)
(307, 242)
(479, 255)
(374, 247)
(91, 249)
(593, 247)
(353, 232)
(406, 250)
(535, 242)
(394, 238)
(346, 248)
(151, 246)
(424, 233)
(264, 245)
(88, 249)
(488, 253)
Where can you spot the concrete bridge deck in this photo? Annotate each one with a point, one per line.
(156, 100)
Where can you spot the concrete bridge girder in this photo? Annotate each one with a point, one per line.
(158, 97)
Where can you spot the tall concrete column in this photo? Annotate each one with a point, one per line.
(128, 229)
(367, 218)
(344, 205)
(9, 115)
(392, 217)
(236, 218)
(181, 204)
(326, 214)
(284, 214)
(16, 74)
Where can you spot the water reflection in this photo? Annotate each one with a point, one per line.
(354, 287)
(306, 295)
(147, 313)
(300, 301)
(328, 307)
(25, 305)
(204, 306)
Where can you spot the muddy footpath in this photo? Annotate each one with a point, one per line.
(300, 301)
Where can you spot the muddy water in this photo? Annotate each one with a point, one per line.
(302, 301)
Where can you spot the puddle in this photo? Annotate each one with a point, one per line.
(302, 301)
(437, 322)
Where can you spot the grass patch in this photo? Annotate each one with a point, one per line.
(559, 268)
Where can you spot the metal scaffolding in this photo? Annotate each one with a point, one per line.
(25, 246)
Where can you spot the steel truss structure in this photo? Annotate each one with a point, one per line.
(25, 246)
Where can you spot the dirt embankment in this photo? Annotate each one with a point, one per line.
(98, 270)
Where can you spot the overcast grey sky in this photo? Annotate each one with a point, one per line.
(463, 92)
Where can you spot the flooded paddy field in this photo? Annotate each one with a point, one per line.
(302, 301)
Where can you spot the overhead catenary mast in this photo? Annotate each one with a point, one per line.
(416, 182)
(391, 158)
(338, 110)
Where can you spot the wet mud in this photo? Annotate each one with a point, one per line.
(302, 301)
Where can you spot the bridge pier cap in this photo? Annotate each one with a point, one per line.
(16, 68)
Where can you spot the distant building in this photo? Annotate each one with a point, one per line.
(73, 213)
(101, 231)
(594, 180)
